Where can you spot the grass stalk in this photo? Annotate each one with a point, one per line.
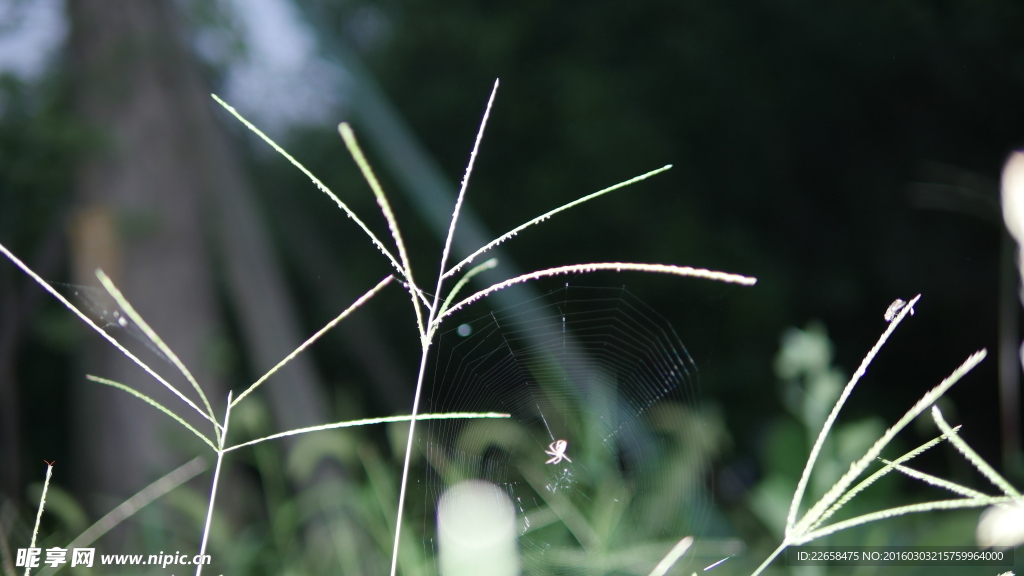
(39, 511)
(429, 315)
(953, 487)
(463, 187)
(309, 341)
(612, 266)
(427, 333)
(316, 181)
(366, 421)
(385, 207)
(508, 235)
(858, 467)
(808, 528)
(155, 339)
(875, 477)
(487, 265)
(953, 504)
(60, 297)
(973, 457)
(213, 488)
(820, 441)
(129, 507)
(403, 488)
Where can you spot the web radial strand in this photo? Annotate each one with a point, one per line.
(597, 369)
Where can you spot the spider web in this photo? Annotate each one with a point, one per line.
(594, 367)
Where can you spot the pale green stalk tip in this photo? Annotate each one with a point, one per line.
(153, 337)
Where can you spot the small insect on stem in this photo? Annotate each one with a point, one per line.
(557, 452)
(894, 309)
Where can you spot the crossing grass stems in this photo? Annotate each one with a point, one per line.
(430, 312)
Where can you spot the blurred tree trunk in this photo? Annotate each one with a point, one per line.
(163, 159)
(138, 218)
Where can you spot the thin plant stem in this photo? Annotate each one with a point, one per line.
(152, 403)
(488, 265)
(973, 457)
(316, 181)
(213, 488)
(378, 192)
(408, 454)
(60, 297)
(309, 341)
(874, 477)
(771, 557)
(952, 504)
(820, 441)
(958, 489)
(129, 507)
(427, 334)
(858, 467)
(368, 421)
(612, 266)
(436, 311)
(385, 207)
(507, 235)
(465, 184)
(39, 512)
(806, 529)
(125, 305)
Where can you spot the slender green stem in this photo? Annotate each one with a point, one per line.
(309, 341)
(862, 485)
(973, 457)
(858, 467)
(125, 305)
(462, 189)
(798, 496)
(610, 266)
(39, 512)
(385, 207)
(213, 489)
(408, 456)
(368, 421)
(465, 280)
(316, 181)
(958, 489)
(60, 297)
(770, 558)
(140, 500)
(427, 334)
(507, 235)
(952, 504)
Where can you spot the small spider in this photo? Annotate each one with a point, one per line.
(557, 452)
(894, 309)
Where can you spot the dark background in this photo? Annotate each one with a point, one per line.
(843, 154)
